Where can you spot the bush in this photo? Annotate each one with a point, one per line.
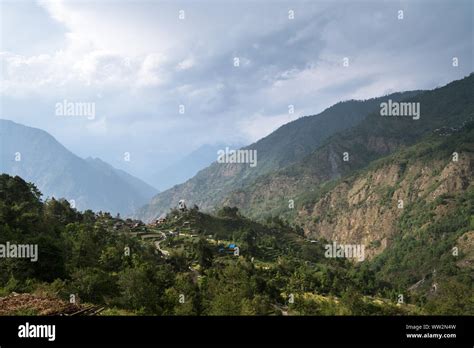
(93, 285)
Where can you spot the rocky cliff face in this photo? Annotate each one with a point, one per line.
(365, 208)
(270, 194)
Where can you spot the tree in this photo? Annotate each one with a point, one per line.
(20, 204)
(354, 302)
(229, 212)
(142, 287)
(183, 298)
(93, 285)
(248, 238)
(453, 298)
(204, 253)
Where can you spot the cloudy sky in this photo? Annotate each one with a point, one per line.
(138, 61)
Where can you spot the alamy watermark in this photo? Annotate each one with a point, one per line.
(37, 331)
(20, 251)
(237, 156)
(394, 108)
(68, 108)
(350, 251)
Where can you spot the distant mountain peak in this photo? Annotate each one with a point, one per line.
(91, 183)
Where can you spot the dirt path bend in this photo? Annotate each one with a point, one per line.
(165, 253)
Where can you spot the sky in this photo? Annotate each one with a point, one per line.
(163, 79)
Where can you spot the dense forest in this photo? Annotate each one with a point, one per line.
(101, 259)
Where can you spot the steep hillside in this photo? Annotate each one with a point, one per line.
(375, 137)
(93, 184)
(367, 207)
(287, 145)
(414, 213)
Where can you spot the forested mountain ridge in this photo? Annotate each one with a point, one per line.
(287, 145)
(450, 106)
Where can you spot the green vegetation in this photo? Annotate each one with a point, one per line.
(287, 147)
(421, 252)
(193, 263)
(83, 254)
(373, 139)
(424, 250)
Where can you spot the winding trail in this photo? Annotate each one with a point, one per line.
(157, 245)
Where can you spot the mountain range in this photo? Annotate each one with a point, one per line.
(288, 145)
(343, 174)
(398, 187)
(38, 157)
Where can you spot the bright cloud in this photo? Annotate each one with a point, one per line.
(138, 62)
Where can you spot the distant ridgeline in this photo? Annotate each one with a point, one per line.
(90, 183)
